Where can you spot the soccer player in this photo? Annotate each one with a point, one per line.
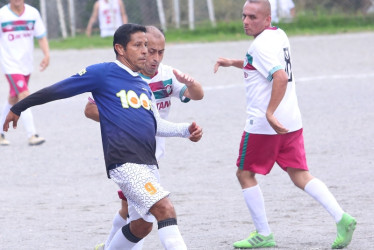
(129, 122)
(273, 130)
(111, 14)
(165, 82)
(20, 23)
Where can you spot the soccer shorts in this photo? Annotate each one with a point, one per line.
(140, 184)
(258, 152)
(17, 83)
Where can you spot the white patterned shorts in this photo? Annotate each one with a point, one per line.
(141, 185)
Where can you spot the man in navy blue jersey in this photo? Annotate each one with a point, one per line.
(129, 122)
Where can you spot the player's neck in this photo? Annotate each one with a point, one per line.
(17, 9)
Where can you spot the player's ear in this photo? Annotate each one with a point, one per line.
(119, 48)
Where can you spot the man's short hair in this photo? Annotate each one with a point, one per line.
(123, 34)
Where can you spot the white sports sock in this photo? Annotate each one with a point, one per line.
(319, 191)
(118, 223)
(28, 121)
(171, 238)
(4, 113)
(120, 241)
(255, 202)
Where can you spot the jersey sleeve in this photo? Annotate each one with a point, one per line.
(265, 57)
(87, 80)
(166, 128)
(39, 29)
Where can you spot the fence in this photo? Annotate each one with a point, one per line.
(69, 17)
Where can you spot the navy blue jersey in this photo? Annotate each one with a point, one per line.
(128, 125)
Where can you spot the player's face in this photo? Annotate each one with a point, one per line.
(254, 19)
(17, 3)
(156, 49)
(134, 55)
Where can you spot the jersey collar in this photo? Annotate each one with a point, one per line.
(126, 68)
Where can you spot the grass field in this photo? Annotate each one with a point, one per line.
(304, 24)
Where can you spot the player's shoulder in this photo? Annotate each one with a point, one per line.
(29, 8)
(271, 35)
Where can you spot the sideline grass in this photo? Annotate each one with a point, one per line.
(304, 24)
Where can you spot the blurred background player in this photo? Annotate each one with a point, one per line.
(20, 23)
(282, 10)
(165, 82)
(111, 13)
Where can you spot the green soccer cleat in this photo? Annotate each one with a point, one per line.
(345, 229)
(100, 246)
(256, 240)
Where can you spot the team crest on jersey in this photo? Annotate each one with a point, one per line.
(82, 72)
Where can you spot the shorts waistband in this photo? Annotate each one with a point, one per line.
(115, 165)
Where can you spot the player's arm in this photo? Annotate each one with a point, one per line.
(225, 62)
(123, 12)
(280, 81)
(93, 18)
(44, 46)
(194, 89)
(171, 129)
(91, 111)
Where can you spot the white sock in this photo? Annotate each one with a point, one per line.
(4, 113)
(319, 191)
(118, 223)
(120, 241)
(171, 238)
(139, 245)
(28, 121)
(255, 202)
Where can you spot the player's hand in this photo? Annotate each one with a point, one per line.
(196, 132)
(222, 62)
(44, 63)
(275, 124)
(183, 78)
(11, 117)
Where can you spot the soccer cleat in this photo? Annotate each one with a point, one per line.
(3, 141)
(36, 140)
(256, 240)
(345, 229)
(100, 246)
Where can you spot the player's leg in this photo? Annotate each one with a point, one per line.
(300, 176)
(345, 223)
(19, 83)
(250, 155)
(12, 99)
(4, 113)
(140, 184)
(168, 230)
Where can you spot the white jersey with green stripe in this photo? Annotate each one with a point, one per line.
(164, 85)
(268, 53)
(17, 39)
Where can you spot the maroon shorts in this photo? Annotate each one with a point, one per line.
(258, 153)
(18, 83)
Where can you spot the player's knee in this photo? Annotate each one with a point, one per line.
(163, 209)
(140, 228)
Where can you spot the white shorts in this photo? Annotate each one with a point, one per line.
(141, 185)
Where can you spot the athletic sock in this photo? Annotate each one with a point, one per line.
(4, 113)
(28, 121)
(170, 236)
(118, 223)
(255, 202)
(123, 239)
(319, 191)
